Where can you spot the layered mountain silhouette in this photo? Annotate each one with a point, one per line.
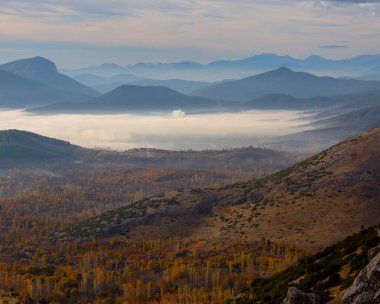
(33, 82)
(179, 85)
(19, 92)
(107, 84)
(45, 71)
(217, 70)
(330, 105)
(277, 90)
(313, 62)
(133, 98)
(284, 81)
(103, 70)
(94, 80)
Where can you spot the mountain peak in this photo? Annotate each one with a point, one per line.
(32, 66)
(283, 70)
(45, 71)
(315, 58)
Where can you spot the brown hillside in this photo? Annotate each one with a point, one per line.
(312, 204)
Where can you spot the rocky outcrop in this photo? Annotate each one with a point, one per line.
(296, 296)
(366, 287)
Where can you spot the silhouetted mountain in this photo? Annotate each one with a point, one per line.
(19, 92)
(179, 85)
(103, 70)
(221, 69)
(284, 81)
(45, 71)
(277, 102)
(133, 98)
(107, 84)
(94, 80)
(330, 105)
(313, 63)
(273, 61)
(176, 65)
(262, 61)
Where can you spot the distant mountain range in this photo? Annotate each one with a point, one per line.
(94, 80)
(107, 84)
(133, 98)
(284, 81)
(104, 70)
(345, 107)
(221, 69)
(281, 89)
(182, 86)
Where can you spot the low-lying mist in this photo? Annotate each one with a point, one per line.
(174, 131)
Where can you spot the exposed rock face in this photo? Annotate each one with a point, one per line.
(296, 296)
(366, 287)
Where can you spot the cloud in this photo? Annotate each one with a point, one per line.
(355, 1)
(56, 11)
(96, 31)
(331, 4)
(178, 113)
(333, 46)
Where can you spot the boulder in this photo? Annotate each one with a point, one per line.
(366, 286)
(296, 296)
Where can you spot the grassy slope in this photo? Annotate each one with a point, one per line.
(327, 273)
(313, 204)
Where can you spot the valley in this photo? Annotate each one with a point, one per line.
(247, 190)
(189, 244)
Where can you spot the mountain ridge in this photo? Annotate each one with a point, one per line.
(133, 98)
(284, 81)
(217, 70)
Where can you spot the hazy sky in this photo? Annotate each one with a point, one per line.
(87, 32)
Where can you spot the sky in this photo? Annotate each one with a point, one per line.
(79, 33)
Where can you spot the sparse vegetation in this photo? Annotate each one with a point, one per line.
(320, 272)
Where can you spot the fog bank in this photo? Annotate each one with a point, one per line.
(175, 131)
